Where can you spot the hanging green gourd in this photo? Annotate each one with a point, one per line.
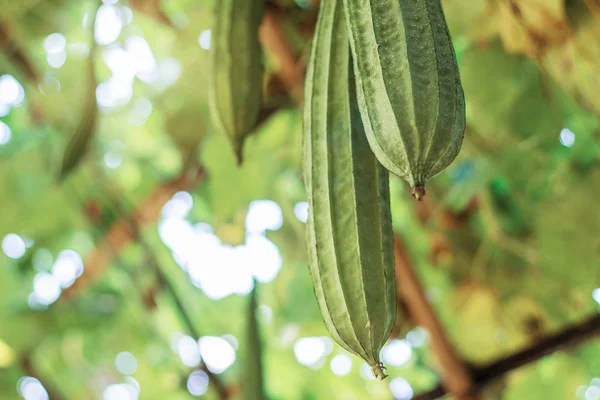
(349, 231)
(408, 85)
(236, 69)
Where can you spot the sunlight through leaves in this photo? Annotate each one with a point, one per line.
(126, 363)
(401, 389)
(31, 389)
(263, 215)
(396, 353)
(301, 211)
(13, 246)
(341, 364)
(108, 24)
(204, 39)
(217, 353)
(197, 383)
(567, 138)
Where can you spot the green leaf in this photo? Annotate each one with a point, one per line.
(253, 383)
(83, 134)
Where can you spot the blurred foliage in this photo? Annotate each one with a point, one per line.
(507, 242)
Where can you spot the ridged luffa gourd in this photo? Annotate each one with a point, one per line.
(408, 85)
(349, 232)
(236, 69)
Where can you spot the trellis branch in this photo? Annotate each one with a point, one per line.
(273, 38)
(120, 234)
(28, 366)
(567, 338)
(16, 53)
(133, 230)
(455, 374)
(222, 391)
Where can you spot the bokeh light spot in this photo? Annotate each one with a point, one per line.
(4, 110)
(417, 337)
(31, 389)
(178, 206)
(56, 60)
(169, 70)
(5, 133)
(301, 211)
(142, 59)
(218, 269)
(108, 24)
(567, 137)
(401, 389)
(133, 382)
(197, 383)
(263, 215)
(67, 268)
(596, 295)
(265, 313)
(126, 15)
(204, 39)
(397, 352)
(46, 288)
(126, 363)
(51, 83)
(592, 393)
(262, 258)
(188, 351)
(341, 364)
(11, 91)
(232, 340)
(113, 159)
(217, 353)
(13, 246)
(55, 43)
(310, 350)
(140, 111)
(120, 391)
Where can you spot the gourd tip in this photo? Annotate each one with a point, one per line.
(418, 192)
(379, 370)
(239, 159)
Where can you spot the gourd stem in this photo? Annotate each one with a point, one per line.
(418, 192)
(379, 370)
